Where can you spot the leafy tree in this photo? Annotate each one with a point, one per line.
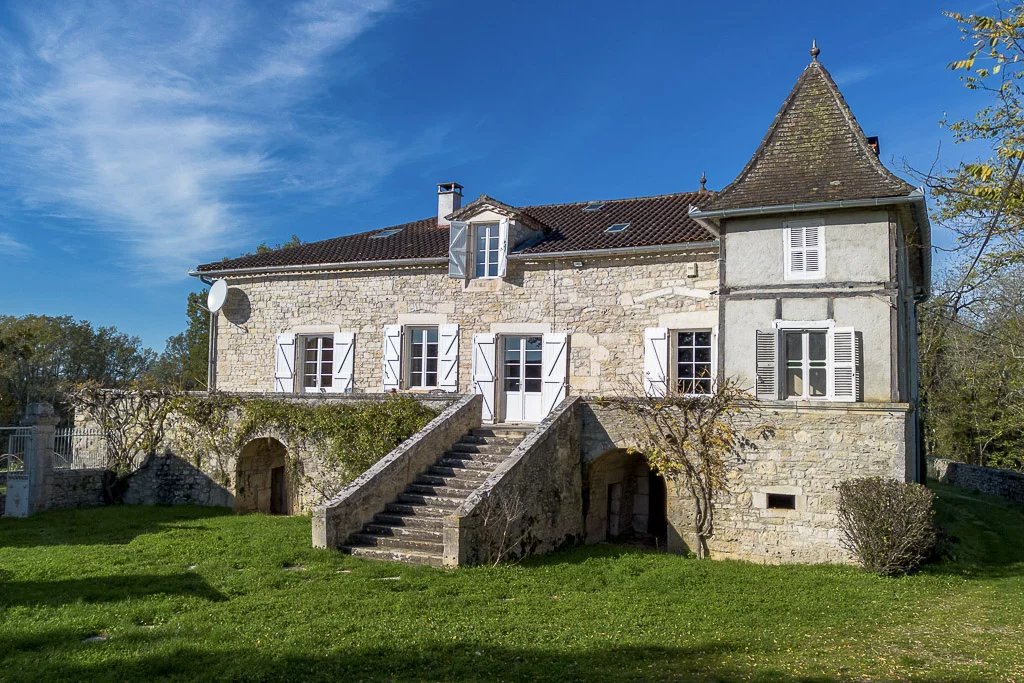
(184, 361)
(41, 357)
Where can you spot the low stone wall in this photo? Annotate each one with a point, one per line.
(76, 489)
(167, 479)
(1006, 484)
(814, 447)
(346, 513)
(531, 504)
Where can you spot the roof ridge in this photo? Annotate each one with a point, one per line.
(620, 199)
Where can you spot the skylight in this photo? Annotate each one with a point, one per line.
(591, 207)
(618, 227)
(385, 233)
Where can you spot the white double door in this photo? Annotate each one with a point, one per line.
(522, 383)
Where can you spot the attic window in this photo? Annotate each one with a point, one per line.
(385, 233)
(593, 207)
(618, 227)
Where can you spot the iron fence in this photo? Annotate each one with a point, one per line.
(14, 441)
(79, 448)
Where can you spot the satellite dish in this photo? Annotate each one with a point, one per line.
(217, 296)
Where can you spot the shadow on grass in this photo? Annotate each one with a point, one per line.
(113, 525)
(982, 534)
(105, 589)
(437, 661)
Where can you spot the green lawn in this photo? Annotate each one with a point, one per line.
(192, 593)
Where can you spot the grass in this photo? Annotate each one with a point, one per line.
(193, 593)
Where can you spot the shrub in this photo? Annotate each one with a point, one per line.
(888, 525)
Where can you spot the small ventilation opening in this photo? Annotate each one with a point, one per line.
(385, 233)
(781, 501)
(618, 227)
(875, 146)
(591, 207)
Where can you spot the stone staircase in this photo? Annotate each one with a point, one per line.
(409, 529)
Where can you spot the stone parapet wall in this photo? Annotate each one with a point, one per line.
(814, 447)
(1006, 484)
(531, 504)
(346, 513)
(76, 488)
(605, 303)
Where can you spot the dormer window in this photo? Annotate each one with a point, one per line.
(486, 249)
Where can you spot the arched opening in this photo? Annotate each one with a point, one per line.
(625, 500)
(261, 482)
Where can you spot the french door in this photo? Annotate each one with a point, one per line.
(522, 383)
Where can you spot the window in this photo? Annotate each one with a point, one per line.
(593, 206)
(389, 232)
(694, 371)
(805, 250)
(617, 227)
(486, 250)
(422, 357)
(317, 363)
(781, 501)
(806, 363)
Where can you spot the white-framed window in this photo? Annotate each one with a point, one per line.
(805, 359)
(693, 368)
(423, 357)
(804, 248)
(486, 249)
(317, 353)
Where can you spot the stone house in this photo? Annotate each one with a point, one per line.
(800, 279)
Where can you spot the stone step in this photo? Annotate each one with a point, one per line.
(465, 483)
(393, 555)
(418, 510)
(409, 521)
(441, 492)
(504, 432)
(467, 464)
(397, 542)
(462, 447)
(412, 533)
(439, 502)
(460, 473)
(494, 458)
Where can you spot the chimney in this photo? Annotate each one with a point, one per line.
(449, 200)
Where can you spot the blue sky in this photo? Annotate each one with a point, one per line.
(140, 139)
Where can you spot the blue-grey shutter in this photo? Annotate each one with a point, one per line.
(766, 352)
(458, 242)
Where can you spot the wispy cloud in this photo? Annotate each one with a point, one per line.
(158, 122)
(854, 74)
(9, 246)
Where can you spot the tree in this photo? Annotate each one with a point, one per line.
(133, 422)
(184, 362)
(42, 357)
(694, 441)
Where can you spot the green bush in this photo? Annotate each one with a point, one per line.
(888, 525)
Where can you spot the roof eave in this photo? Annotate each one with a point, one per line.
(345, 265)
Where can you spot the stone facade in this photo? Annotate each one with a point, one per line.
(813, 448)
(1006, 484)
(605, 304)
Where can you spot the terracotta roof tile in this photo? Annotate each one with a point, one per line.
(653, 221)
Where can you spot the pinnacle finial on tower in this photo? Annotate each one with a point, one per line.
(703, 181)
(814, 49)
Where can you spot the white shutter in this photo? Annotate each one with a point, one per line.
(656, 361)
(343, 381)
(804, 249)
(484, 356)
(392, 370)
(503, 243)
(448, 358)
(458, 239)
(555, 367)
(766, 365)
(284, 373)
(844, 375)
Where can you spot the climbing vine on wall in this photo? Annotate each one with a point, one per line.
(345, 438)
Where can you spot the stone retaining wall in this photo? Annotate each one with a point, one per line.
(76, 489)
(814, 448)
(1006, 484)
(531, 504)
(166, 479)
(345, 514)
